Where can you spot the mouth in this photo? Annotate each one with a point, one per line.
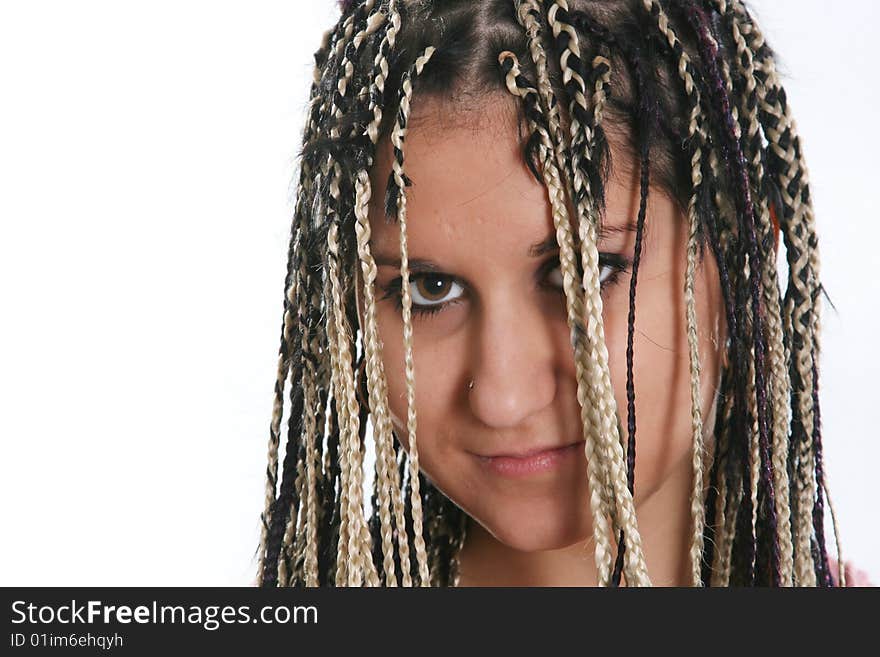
(532, 461)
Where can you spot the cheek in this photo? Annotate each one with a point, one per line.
(435, 377)
(661, 366)
(391, 340)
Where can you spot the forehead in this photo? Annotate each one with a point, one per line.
(470, 182)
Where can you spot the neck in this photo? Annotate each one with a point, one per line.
(664, 525)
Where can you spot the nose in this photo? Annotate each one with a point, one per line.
(512, 364)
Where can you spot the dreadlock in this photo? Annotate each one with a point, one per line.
(690, 90)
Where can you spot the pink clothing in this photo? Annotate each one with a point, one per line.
(854, 576)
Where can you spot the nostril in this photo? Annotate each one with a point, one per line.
(507, 402)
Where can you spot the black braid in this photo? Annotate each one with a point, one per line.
(823, 572)
(645, 128)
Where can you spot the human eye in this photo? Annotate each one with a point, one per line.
(430, 292)
(611, 265)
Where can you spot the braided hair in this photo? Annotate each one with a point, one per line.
(690, 89)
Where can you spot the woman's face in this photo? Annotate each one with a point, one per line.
(488, 305)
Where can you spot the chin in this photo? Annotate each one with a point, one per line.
(536, 531)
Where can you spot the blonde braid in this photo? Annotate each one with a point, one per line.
(754, 446)
(580, 136)
(333, 43)
(282, 371)
(803, 289)
(529, 16)
(323, 381)
(778, 356)
(528, 13)
(375, 375)
(354, 529)
(363, 542)
(601, 527)
(697, 498)
(603, 406)
(309, 348)
(723, 205)
(313, 418)
(398, 136)
(305, 480)
(311, 514)
(354, 551)
(291, 294)
(342, 38)
(285, 576)
(385, 450)
(309, 393)
(730, 490)
(295, 550)
(344, 553)
(726, 551)
(720, 567)
(359, 566)
(695, 128)
(725, 508)
(698, 508)
(381, 66)
(389, 491)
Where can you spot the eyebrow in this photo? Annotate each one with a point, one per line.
(550, 244)
(536, 250)
(415, 264)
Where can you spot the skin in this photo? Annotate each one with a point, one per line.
(474, 210)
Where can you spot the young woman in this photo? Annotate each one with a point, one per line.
(533, 241)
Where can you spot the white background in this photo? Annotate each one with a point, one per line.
(146, 158)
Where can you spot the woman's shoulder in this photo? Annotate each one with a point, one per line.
(853, 576)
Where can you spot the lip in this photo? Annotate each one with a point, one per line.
(531, 462)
